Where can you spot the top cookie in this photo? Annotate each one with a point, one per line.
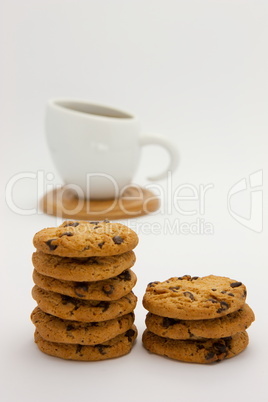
(193, 298)
(86, 239)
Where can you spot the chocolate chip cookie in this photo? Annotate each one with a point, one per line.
(196, 351)
(108, 289)
(70, 308)
(193, 298)
(115, 347)
(55, 329)
(221, 327)
(82, 269)
(86, 239)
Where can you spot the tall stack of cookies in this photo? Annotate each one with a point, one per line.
(83, 289)
(198, 320)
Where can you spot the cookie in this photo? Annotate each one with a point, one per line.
(86, 239)
(116, 347)
(196, 351)
(108, 289)
(82, 269)
(55, 329)
(221, 327)
(70, 308)
(193, 298)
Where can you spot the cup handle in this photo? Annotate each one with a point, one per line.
(171, 148)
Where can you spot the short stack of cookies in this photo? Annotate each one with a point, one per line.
(198, 320)
(83, 289)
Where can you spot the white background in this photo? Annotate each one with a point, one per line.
(194, 71)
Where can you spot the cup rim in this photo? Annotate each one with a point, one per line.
(58, 103)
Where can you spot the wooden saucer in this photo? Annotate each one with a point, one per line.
(135, 201)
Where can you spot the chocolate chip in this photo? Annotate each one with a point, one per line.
(194, 278)
(152, 284)
(174, 288)
(209, 355)
(67, 234)
(214, 290)
(69, 327)
(104, 305)
(93, 324)
(80, 288)
(108, 289)
(190, 295)
(66, 299)
(224, 306)
(168, 322)
(96, 227)
(70, 300)
(235, 284)
(106, 221)
(185, 277)
(74, 224)
(51, 246)
(220, 347)
(129, 334)
(230, 294)
(117, 240)
(245, 293)
(94, 223)
(78, 348)
(227, 340)
(100, 245)
(125, 275)
(224, 292)
(213, 300)
(101, 348)
(199, 347)
(218, 351)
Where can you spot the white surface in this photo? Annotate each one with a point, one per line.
(195, 71)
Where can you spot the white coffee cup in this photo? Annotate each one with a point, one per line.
(97, 148)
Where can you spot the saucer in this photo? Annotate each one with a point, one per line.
(135, 201)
